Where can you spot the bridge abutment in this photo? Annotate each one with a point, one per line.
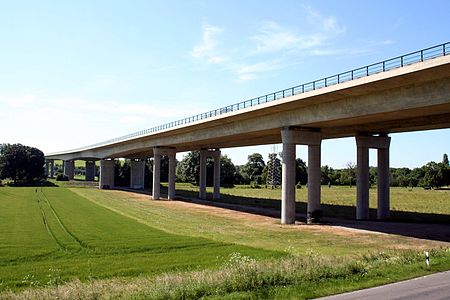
(106, 179)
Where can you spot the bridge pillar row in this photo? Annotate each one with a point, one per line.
(363, 144)
(106, 179)
(157, 153)
(90, 170)
(204, 154)
(290, 138)
(69, 169)
(137, 172)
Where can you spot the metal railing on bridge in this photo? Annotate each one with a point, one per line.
(383, 66)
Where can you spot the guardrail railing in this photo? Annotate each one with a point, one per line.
(383, 66)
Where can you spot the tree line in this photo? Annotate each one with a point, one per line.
(26, 164)
(255, 172)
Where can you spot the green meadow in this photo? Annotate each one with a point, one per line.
(55, 234)
(75, 241)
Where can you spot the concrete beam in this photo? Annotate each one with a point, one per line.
(106, 180)
(300, 136)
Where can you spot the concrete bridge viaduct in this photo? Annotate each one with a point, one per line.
(407, 93)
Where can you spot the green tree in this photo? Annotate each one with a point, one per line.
(445, 160)
(433, 175)
(301, 171)
(188, 169)
(254, 166)
(21, 163)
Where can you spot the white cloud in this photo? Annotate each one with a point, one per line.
(273, 38)
(271, 46)
(207, 48)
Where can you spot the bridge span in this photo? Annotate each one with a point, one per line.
(403, 94)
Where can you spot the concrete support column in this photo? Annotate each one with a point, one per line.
(216, 192)
(156, 174)
(314, 176)
(383, 184)
(137, 172)
(106, 180)
(362, 182)
(202, 188)
(47, 168)
(69, 169)
(52, 169)
(90, 171)
(288, 184)
(172, 166)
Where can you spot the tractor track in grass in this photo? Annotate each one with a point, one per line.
(43, 198)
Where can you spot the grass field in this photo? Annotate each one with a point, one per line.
(123, 244)
(55, 234)
(415, 204)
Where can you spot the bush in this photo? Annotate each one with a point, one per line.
(298, 185)
(62, 177)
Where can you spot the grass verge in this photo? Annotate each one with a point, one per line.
(246, 278)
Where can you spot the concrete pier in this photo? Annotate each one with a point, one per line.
(137, 172)
(383, 184)
(202, 187)
(290, 138)
(69, 169)
(90, 171)
(156, 191)
(362, 182)
(314, 175)
(288, 184)
(106, 180)
(52, 169)
(381, 143)
(172, 176)
(216, 191)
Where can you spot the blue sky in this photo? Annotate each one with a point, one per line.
(73, 73)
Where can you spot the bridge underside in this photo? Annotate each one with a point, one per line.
(412, 98)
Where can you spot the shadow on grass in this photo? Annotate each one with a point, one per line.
(411, 224)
